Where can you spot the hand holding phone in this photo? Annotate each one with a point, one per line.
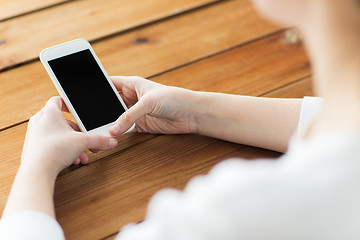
(84, 85)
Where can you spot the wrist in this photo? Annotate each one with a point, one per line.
(34, 172)
(193, 99)
(36, 187)
(38, 163)
(200, 112)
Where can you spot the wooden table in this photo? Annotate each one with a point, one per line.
(207, 45)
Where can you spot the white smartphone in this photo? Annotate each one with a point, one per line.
(84, 85)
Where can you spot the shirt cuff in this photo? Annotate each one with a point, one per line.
(30, 225)
(310, 108)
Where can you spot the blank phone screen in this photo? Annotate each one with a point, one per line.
(87, 89)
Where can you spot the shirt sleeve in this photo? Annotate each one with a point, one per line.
(310, 108)
(30, 225)
(262, 199)
(228, 203)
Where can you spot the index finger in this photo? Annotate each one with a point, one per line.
(120, 81)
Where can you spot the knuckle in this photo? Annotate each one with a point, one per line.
(127, 82)
(135, 80)
(149, 101)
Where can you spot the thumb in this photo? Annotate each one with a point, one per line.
(99, 142)
(128, 118)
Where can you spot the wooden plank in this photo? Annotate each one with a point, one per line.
(115, 191)
(18, 7)
(24, 37)
(297, 89)
(248, 70)
(190, 38)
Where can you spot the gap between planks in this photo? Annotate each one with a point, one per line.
(18, 8)
(110, 16)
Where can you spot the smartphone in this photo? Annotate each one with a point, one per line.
(84, 85)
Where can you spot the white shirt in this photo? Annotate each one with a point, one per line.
(311, 192)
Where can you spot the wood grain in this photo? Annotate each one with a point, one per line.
(24, 37)
(13, 8)
(24, 90)
(298, 89)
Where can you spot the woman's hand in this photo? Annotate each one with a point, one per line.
(55, 143)
(51, 144)
(154, 108)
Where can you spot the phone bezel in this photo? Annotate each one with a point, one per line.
(65, 49)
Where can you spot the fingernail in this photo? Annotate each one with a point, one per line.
(115, 128)
(113, 142)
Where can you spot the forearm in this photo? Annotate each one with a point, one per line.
(261, 122)
(32, 190)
